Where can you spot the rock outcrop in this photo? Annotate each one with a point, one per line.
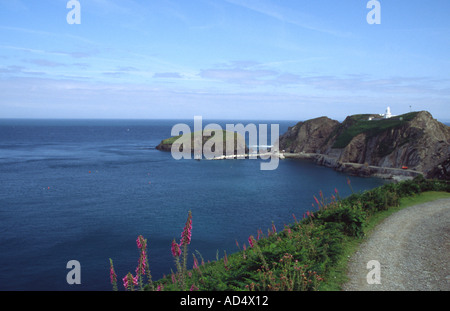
(413, 142)
(309, 136)
(208, 139)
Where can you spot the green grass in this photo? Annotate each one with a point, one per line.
(338, 275)
(359, 124)
(206, 135)
(405, 203)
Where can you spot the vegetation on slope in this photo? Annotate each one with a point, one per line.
(216, 138)
(307, 255)
(359, 124)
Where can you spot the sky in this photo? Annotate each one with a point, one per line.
(223, 59)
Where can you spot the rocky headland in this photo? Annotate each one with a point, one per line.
(367, 145)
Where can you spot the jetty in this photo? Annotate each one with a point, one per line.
(264, 155)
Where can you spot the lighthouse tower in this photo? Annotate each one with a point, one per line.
(388, 113)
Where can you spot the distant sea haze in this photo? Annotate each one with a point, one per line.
(85, 189)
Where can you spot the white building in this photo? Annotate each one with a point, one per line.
(386, 115)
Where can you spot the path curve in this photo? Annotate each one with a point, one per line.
(413, 249)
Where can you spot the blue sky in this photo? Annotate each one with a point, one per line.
(228, 59)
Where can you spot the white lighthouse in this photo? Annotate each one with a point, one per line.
(388, 114)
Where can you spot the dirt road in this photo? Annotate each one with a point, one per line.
(413, 249)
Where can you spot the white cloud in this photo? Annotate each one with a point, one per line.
(39, 97)
(44, 62)
(167, 75)
(287, 15)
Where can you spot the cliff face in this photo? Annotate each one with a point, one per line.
(309, 136)
(414, 140)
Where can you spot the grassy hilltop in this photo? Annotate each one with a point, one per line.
(212, 136)
(359, 124)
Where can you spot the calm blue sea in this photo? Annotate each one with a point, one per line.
(85, 189)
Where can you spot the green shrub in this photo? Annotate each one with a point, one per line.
(379, 199)
(345, 217)
(432, 185)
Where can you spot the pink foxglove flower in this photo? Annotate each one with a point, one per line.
(250, 241)
(125, 282)
(140, 241)
(225, 260)
(112, 274)
(176, 250)
(186, 234)
(317, 201)
(195, 266)
(130, 278)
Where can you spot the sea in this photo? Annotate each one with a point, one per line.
(84, 190)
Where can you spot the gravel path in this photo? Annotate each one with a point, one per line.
(413, 249)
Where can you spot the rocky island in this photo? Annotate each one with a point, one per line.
(369, 145)
(207, 137)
